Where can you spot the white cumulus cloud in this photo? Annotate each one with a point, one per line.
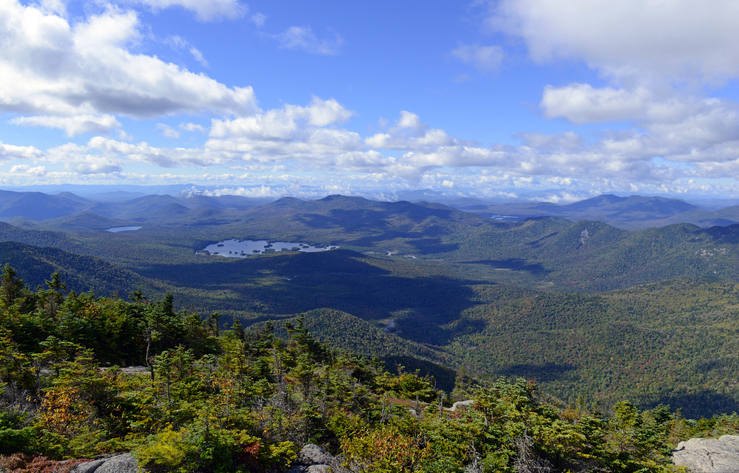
(673, 38)
(167, 131)
(292, 132)
(75, 125)
(582, 103)
(192, 127)
(26, 170)
(410, 134)
(8, 152)
(51, 67)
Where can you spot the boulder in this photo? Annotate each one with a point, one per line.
(319, 469)
(313, 455)
(88, 467)
(116, 463)
(709, 455)
(461, 405)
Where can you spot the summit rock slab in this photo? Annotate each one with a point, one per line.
(708, 455)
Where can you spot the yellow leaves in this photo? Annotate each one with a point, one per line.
(282, 453)
(63, 411)
(167, 449)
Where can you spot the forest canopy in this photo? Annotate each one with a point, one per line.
(82, 376)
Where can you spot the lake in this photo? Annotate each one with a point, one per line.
(243, 248)
(122, 229)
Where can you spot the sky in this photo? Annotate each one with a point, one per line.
(556, 99)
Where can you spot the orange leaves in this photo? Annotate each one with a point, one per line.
(249, 455)
(63, 410)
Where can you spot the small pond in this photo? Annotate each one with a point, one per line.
(244, 248)
(122, 229)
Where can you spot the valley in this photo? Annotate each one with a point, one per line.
(582, 307)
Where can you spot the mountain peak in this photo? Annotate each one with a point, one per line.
(339, 197)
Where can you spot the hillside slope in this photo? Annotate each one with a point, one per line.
(673, 342)
(80, 273)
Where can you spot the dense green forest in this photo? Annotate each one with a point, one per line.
(669, 342)
(214, 400)
(84, 273)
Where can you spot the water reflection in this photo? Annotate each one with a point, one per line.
(122, 229)
(243, 248)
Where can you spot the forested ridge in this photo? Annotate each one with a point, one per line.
(215, 400)
(84, 273)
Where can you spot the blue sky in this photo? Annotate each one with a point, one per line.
(561, 99)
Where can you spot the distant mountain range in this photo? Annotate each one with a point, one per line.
(53, 211)
(631, 213)
(541, 251)
(18, 207)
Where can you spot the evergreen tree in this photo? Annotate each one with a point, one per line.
(12, 287)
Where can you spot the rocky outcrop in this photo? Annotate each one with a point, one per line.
(312, 459)
(709, 455)
(115, 463)
(461, 405)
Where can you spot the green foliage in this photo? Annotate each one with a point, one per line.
(16, 440)
(201, 448)
(406, 386)
(79, 273)
(215, 402)
(667, 343)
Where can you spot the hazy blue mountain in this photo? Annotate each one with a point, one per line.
(37, 206)
(633, 212)
(349, 211)
(143, 206)
(40, 206)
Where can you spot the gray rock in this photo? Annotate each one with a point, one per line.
(313, 455)
(461, 405)
(709, 455)
(319, 469)
(117, 463)
(88, 467)
(124, 463)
